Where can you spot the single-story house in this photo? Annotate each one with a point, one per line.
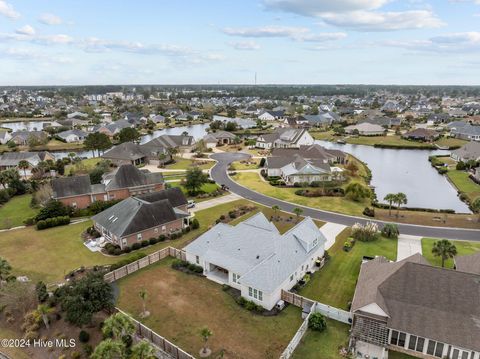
(113, 128)
(126, 153)
(313, 152)
(322, 119)
(72, 135)
(415, 308)
(179, 142)
(383, 121)
(464, 130)
(468, 263)
(469, 151)
(12, 159)
(285, 138)
(125, 181)
(271, 115)
(421, 134)
(143, 217)
(365, 129)
(255, 258)
(296, 169)
(22, 138)
(218, 138)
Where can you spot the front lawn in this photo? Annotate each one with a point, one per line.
(250, 164)
(184, 164)
(15, 211)
(334, 204)
(463, 248)
(181, 304)
(323, 345)
(334, 284)
(84, 166)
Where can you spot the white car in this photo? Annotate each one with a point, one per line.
(191, 203)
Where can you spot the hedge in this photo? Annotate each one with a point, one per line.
(53, 222)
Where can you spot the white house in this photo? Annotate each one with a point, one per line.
(256, 259)
(285, 138)
(72, 136)
(365, 129)
(272, 115)
(5, 137)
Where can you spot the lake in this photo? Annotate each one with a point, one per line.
(406, 171)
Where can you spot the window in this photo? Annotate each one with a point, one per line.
(260, 295)
(164, 228)
(139, 237)
(197, 260)
(394, 338)
(401, 339)
(431, 347)
(254, 293)
(439, 350)
(250, 292)
(420, 345)
(156, 230)
(413, 342)
(291, 277)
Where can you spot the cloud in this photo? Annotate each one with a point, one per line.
(26, 54)
(7, 10)
(293, 33)
(317, 7)
(26, 30)
(244, 45)
(50, 19)
(460, 42)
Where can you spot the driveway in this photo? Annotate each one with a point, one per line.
(408, 245)
(331, 231)
(219, 174)
(215, 202)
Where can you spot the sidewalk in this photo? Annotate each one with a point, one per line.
(408, 245)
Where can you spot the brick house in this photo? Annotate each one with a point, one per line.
(143, 217)
(125, 181)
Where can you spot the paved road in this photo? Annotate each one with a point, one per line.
(219, 174)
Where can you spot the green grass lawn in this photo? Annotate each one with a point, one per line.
(464, 184)
(397, 355)
(334, 204)
(15, 211)
(245, 165)
(181, 304)
(184, 164)
(324, 345)
(463, 248)
(334, 284)
(84, 166)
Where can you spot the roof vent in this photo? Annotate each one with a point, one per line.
(258, 257)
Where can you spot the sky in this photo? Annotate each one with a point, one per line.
(99, 42)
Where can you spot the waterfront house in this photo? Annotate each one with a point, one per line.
(464, 130)
(143, 217)
(72, 136)
(4, 137)
(125, 181)
(412, 307)
(12, 159)
(271, 115)
(218, 138)
(422, 134)
(126, 153)
(469, 151)
(255, 258)
(365, 129)
(22, 138)
(285, 138)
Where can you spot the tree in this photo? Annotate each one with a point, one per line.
(231, 126)
(117, 326)
(24, 165)
(352, 168)
(97, 141)
(143, 350)
(298, 212)
(237, 140)
(5, 269)
(52, 209)
(143, 296)
(357, 192)
(205, 333)
(128, 134)
(195, 179)
(41, 290)
(390, 198)
(400, 198)
(109, 349)
(444, 249)
(44, 310)
(390, 230)
(317, 322)
(18, 296)
(275, 209)
(476, 207)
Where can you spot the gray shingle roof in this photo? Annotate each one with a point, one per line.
(71, 186)
(130, 176)
(125, 151)
(469, 263)
(174, 195)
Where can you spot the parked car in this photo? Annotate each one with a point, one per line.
(191, 203)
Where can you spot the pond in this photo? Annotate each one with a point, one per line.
(26, 125)
(406, 171)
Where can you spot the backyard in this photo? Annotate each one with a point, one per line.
(464, 184)
(335, 283)
(324, 344)
(181, 304)
(15, 211)
(463, 248)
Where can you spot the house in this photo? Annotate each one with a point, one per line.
(412, 307)
(240, 122)
(72, 135)
(392, 106)
(469, 151)
(77, 114)
(125, 181)
(296, 169)
(322, 119)
(271, 115)
(126, 153)
(143, 217)
(285, 138)
(22, 138)
(254, 258)
(220, 138)
(468, 263)
(421, 134)
(365, 129)
(464, 130)
(4, 137)
(438, 118)
(157, 118)
(12, 159)
(385, 122)
(313, 152)
(178, 142)
(113, 128)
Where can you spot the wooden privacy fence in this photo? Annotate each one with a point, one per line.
(306, 304)
(167, 350)
(130, 268)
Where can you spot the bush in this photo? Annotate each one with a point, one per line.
(136, 246)
(369, 212)
(390, 230)
(124, 262)
(41, 290)
(195, 224)
(53, 222)
(53, 209)
(317, 322)
(460, 166)
(365, 233)
(232, 214)
(83, 336)
(117, 251)
(153, 241)
(162, 238)
(127, 249)
(144, 243)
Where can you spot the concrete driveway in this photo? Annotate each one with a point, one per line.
(408, 245)
(215, 202)
(331, 231)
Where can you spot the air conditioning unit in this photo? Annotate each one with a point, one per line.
(280, 305)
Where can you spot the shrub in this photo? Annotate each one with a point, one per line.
(83, 336)
(365, 233)
(153, 240)
(390, 230)
(53, 222)
(369, 212)
(136, 246)
(117, 251)
(222, 217)
(41, 290)
(144, 243)
(53, 209)
(460, 166)
(195, 224)
(173, 236)
(232, 214)
(317, 322)
(161, 238)
(88, 350)
(124, 262)
(127, 249)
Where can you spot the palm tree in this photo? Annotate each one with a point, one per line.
(109, 349)
(118, 325)
(23, 165)
(205, 333)
(444, 249)
(143, 296)
(400, 198)
(275, 209)
(44, 310)
(298, 212)
(5, 269)
(476, 207)
(390, 198)
(143, 350)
